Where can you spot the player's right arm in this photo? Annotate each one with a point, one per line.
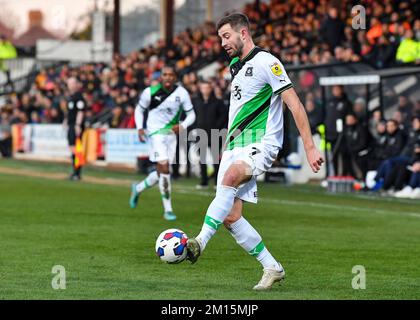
(142, 106)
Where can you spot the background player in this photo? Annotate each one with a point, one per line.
(259, 87)
(164, 102)
(74, 121)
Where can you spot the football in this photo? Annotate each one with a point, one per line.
(171, 246)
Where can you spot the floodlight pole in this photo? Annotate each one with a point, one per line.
(167, 21)
(209, 14)
(116, 27)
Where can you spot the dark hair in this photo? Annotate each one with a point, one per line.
(235, 20)
(395, 122)
(170, 66)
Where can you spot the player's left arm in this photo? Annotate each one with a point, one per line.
(294, 104)
(190, 114)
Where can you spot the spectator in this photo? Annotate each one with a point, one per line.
(399, 174)
(210, 115)
(116, 119)
(408, 50)
(7, 51)
(128, 120)
(383, 54)
(332, 29)
(315, 114)
(378, 145)
(416, 111)
(5, 134)
(375, 31)
(394, 145)
(406, 109)
(336, 110)
(359, 110)
(357, 140)
(412, 189)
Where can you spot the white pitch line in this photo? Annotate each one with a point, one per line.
(339, 208)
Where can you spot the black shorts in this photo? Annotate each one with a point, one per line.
(71, 135)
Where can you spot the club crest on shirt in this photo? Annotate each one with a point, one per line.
(248, 72)
(276, 69)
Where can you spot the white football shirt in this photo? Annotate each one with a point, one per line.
(255, 112)
(164, 107)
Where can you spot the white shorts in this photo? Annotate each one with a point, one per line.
(162, 147)
(258, 156)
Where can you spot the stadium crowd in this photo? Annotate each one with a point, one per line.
(298, 32)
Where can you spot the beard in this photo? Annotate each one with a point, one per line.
(239, 47)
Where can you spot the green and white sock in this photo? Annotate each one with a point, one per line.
(165, 191)
(249, 239)
(217, 212)
(147, 183)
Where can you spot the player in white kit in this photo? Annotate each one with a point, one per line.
(165, 101)
(259, 87)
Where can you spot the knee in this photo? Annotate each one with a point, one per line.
(234, 176)
(229, 178)
(162, 167)
(232, 218)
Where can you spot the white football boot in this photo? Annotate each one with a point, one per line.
(270, 276)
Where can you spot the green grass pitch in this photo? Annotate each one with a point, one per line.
(107, 249)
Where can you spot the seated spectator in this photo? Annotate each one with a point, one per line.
(412, 189)
(406, 108)
(399, 174)
(394, 145)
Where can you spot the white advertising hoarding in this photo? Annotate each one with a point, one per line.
(46, 140)
(123, 146)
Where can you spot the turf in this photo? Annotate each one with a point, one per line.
(107, 249)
